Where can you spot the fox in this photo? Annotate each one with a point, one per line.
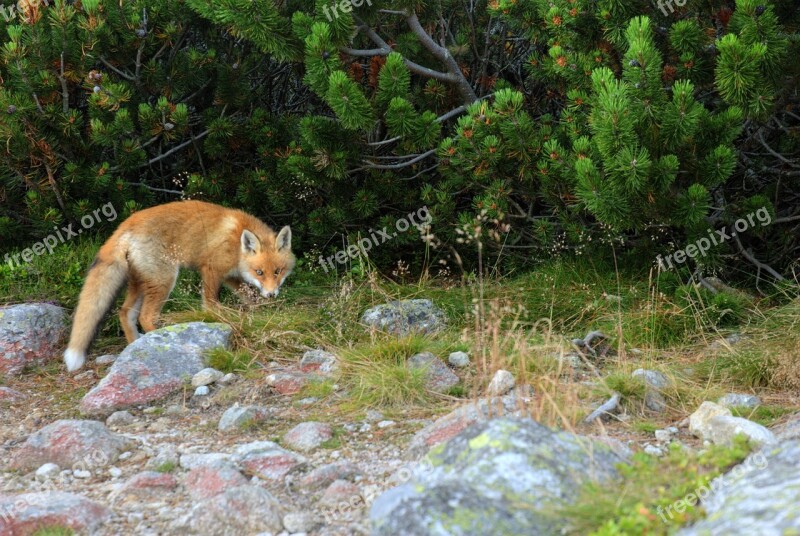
(227, 246)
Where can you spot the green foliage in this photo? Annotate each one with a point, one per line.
(644, 499)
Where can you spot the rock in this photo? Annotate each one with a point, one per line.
(240, 510)
(267, 460)
(30, 334)
(287, 383)
(438, 377)
(341, 491)
(9, 396)
(228, 379)
(115, 472)
(478, 480)
(120, 418)
(663, 436)
(699, 420)
(209, 459)
(207, 376)
(106, 359)
(404, 317)
(740, 400)
(82, 473)
(759, 496)
(30, 512)
(71, 444)
(652, 378)
(319, 361)
(239, 417)
(386, 424)
(299, 522)
(654, 401)
(653, 450)
(458, 359)
(790, 429)
(456, 421)
(203, 390)
(154, 366)
(723, 428)
(166, 457)
(727, 342)
(208, 481)
(307, 436)
(373, 415)
(502, 382)
(47, 472)
(85, 375)
(325, 475)
(145, 487)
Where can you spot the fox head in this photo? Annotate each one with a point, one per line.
(266, 266)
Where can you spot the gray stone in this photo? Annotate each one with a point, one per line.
(740, 400)
(502, 382)
(652, 378)
(154, 366)
(699, 420)
(203, 390)
(207, 376)
(299, 522)
(654, 401)
(723, 428)
(477, 481)
(319, 361)
(458, 359)
(307, 436)
(120, 418)
(236, 417)
(105, 359)
(27, 513)
(404, 317)
(438, 377)
(30, 334)
(759, 496)
(239, 510)
(72, 444)
(47, 471)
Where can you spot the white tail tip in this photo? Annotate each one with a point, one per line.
(74, 359)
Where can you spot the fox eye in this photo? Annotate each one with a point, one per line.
(278, 271)
(259, 272)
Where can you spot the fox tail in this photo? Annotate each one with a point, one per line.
(103, 282)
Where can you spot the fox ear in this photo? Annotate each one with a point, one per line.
(250, 243)
(284, 240)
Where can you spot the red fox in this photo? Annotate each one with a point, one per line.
(226, 246)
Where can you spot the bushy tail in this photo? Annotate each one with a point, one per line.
(103, 283)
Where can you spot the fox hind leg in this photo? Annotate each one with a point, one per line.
(155, 295)
(129, 312)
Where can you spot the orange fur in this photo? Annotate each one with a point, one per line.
(226, 246)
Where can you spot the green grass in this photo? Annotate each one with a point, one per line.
(642, 500)
(166, 467)
(239, 362)
(763, 415)
(54, 531)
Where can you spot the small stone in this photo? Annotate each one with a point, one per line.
(125, 455)
(652, 378)
(81, 473)
(85, 375)
(307, 436)
(228, 379)
(236, 417)
(207, 376)
(654, 401)
(458, 359)
(174, 410)
(438, 376)
(325, 475)
(653, 451)
(203, 390)
(386, 424)
(502, 382)
(319, 361)
(740, 400)
(120, 418)
(299, 522)
(208, 481)
(115, 472)
(287, 383)
(47, 471)
(106, 359)
(373, 415)
(663, 436)
(341, 491)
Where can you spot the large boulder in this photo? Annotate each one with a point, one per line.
(503, 476)
(403, 317)
(759, 496)
(438, 376)
(30, 334)
(239, 510)
(154, 366)
(29, 513)
(77, 444)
